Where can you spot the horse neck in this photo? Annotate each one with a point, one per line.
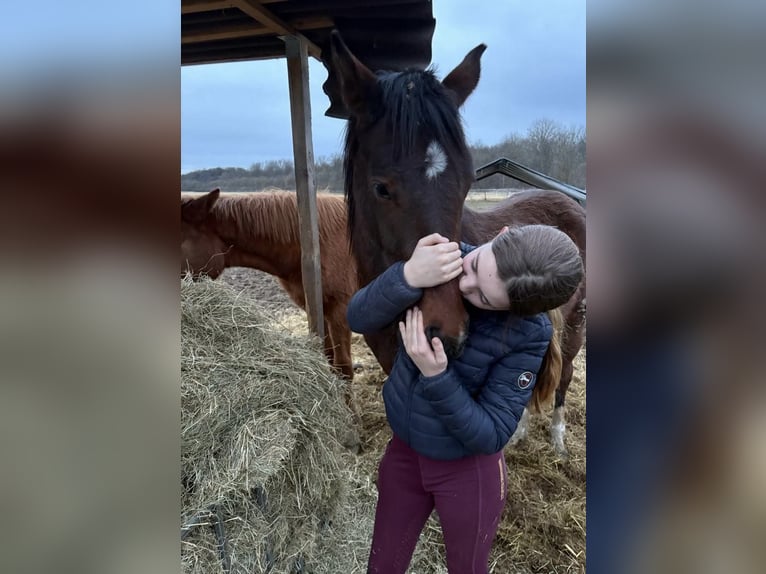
(366, 272)
(478, 227)
(284, 264)
(262, 232)
(481, 226)
(527, 207)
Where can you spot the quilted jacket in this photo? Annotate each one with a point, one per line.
(472, 407)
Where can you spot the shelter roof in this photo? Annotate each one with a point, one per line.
(383, 34)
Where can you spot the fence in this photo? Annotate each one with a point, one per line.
(493, 194)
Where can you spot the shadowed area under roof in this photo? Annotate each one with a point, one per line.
(383, 34)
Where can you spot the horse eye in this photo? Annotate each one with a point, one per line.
(381, 191)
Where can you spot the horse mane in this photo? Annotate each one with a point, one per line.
(412, 102)
(274, 215)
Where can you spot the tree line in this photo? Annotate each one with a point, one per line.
(547, 147)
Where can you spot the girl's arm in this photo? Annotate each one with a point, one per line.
(434, 260)
(380, 302)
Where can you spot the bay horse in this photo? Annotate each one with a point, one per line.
(408, 170)
(260, 230)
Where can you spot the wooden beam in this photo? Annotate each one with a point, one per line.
(303, 155)
(215, 33)
(194, 6)
(266, 17)
(233, 55)
(251, 29)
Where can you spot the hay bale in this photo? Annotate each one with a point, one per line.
(263, 420)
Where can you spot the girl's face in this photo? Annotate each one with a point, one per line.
(480, 284)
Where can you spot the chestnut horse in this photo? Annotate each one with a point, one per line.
(260, 230)
(407, 173)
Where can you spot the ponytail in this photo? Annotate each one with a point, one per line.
(550, 371)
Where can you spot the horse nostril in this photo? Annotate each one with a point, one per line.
(453, 347)
(432, 332)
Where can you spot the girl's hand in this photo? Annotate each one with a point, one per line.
(434, 261)
(429, 358)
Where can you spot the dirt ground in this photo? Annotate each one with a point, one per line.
(262, 287)
(543, 524)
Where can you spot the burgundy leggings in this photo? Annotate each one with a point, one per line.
(468, 494)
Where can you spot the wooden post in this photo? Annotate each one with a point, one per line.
(303, 155)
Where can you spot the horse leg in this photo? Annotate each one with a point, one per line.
(522, 429)
(329, 348)
(337, 348)
(341, 338)
(558, 422)
(574, 336)
(340, 335)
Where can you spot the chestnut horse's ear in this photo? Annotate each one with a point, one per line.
(357, 82)
(196, 210)
(465, 77)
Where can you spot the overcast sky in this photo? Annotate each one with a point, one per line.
(236, 114)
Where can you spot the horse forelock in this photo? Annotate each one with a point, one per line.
(414, 102)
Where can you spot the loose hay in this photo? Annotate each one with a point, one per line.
(263, 419)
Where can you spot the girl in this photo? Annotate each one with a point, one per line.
(451, 419)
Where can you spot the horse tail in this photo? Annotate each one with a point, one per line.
(550, 370)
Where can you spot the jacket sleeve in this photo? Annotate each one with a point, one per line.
(381, 301)
(466, 248)
(484, 424)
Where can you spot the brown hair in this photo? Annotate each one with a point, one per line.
(541, 268)
(550, 370)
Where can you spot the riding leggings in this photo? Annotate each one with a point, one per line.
(468, 495)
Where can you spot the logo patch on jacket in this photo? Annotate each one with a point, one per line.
(525, 379)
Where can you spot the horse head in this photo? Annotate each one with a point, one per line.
(407, 170)
(203, 252)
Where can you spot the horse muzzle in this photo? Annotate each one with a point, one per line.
(444, 316)
(453, 346)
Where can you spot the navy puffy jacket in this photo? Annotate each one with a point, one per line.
(474, 406)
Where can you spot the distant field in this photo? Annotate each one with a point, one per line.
(480, 201)
(480, 205)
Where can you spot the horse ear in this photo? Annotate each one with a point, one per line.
(465, 77)
(197, 210)
(357, 82)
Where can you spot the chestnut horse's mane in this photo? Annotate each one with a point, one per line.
(274, 214)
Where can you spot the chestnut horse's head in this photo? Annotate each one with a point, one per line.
(203, 252)
(407, 170)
